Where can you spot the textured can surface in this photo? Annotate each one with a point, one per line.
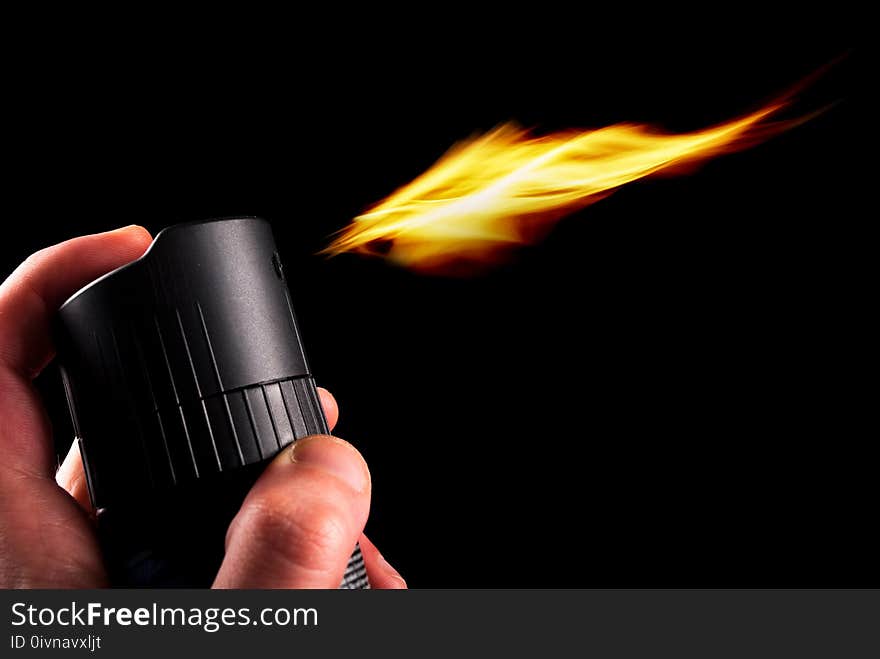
(182, 369)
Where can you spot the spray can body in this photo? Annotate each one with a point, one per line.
(185, 373)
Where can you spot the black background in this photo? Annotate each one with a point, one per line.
(669, 390)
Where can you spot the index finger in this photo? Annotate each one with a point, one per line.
(28, 298)
(35, 290)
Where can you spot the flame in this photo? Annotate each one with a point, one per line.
(506, 188)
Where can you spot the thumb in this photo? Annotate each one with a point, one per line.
(300, 522)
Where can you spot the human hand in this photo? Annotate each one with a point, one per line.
(296, 528)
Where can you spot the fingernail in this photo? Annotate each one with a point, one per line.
(130, 227)
(386, 567)
(334, 456)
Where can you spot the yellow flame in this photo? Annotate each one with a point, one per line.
(507, 187)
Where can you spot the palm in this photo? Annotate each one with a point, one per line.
(59, 545)
(46, 536)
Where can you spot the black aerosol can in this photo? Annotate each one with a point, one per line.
(185, 373)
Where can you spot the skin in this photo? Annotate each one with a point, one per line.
(296, 528)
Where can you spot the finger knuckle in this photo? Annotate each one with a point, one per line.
(304, 535)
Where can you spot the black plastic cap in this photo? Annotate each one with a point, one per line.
(186, 363)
